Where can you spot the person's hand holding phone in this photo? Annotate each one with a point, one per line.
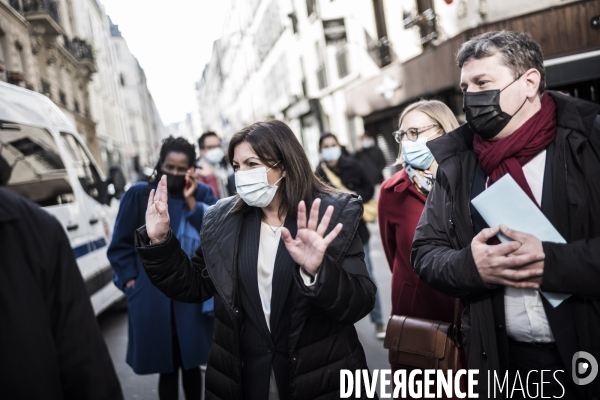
(191, 183)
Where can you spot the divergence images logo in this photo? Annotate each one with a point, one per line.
(585, 368)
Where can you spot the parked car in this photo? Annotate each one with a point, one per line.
(45, 160)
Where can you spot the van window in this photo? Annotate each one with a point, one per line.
(86, 172)
(31, 166)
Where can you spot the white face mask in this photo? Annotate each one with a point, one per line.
(253, 186)
(214, 156)
(331, 154)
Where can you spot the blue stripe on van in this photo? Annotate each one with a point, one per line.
(88, 247)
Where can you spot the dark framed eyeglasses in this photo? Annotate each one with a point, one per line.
(412, 134)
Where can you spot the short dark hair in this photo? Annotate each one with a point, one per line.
(519, 51)
(203, 137)
(274, 142)
(325, 136)
(175, 145)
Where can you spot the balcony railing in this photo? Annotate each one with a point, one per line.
(33, 6)
(380, 50)
(80, 49)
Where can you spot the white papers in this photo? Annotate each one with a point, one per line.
(506, 203)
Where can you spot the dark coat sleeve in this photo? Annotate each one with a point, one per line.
(343, 288)
(85, 365)
(379, 158)
(582, 277)
(121, 251)
(172, 272)
(363, 185)
(434, 259)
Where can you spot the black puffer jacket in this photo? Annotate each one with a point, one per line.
(354, 177)
(441, 253)
(322, 338)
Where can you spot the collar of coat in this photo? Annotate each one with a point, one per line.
(221, 231)
(571, 113)
(399, 183)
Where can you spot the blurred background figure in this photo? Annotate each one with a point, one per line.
(345, 173)
(370, 156)
(213, 168)
(164, 335)
(50, 344)
(401, 202)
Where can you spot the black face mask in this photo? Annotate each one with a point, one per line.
(483, 112)
(175, 183)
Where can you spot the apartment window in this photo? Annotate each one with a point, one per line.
(62, 97)
(342, 61)
(321, 70)
(2, 56)
(311, 7)
(19, 59)
(303, 82)
(46, 88)
(76, 106)
(122, 79)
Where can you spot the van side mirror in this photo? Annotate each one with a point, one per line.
(117, 180)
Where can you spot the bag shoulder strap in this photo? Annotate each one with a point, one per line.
(333, 178)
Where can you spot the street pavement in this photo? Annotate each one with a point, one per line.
(113, 324)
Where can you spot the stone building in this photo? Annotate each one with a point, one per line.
(351, 67)
(107, 104)
(145, 128)
(40, 50)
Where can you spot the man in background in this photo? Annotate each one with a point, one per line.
(212, 166)
(50, 345)
(370, 156)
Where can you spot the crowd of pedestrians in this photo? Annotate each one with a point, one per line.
(265, 285)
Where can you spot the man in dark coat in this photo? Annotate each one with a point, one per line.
(550, 144)
(370, 156)
(50, 345)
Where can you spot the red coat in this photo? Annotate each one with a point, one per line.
(399, 210)
(400, 207)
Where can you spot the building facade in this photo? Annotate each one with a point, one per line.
(41, 51)
(107, 104)
(290, 60)
(351, 67)
(144, 125)
(565, 29)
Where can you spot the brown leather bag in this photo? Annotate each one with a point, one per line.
(416, 343)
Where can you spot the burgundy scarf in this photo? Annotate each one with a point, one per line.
(508, 155)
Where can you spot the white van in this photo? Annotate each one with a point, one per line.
(44, 159)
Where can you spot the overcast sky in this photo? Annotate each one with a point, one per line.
(172, 41)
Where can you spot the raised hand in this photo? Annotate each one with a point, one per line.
(189, 191)
(308, 248)
(157, 213)
(508, 264)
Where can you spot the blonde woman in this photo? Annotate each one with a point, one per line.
(401, 202)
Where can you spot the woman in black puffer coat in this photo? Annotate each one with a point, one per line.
(287, 291)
